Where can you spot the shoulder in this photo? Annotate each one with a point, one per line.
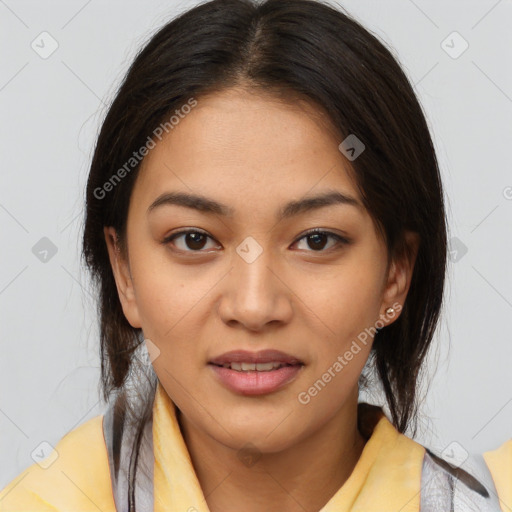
(500, 466)
(75, 476)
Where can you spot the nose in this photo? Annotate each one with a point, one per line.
(255, 294)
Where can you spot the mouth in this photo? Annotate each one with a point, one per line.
(251, 367)
(259, 361)
(255, 373)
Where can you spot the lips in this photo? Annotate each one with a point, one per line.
(255, 373)
(245, 360)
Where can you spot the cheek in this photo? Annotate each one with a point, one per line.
(174, 308)
(344, 310)
(349, 300)
(166, 294)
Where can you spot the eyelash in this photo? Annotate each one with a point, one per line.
(340, 239)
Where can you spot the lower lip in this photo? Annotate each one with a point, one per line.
(255, 382)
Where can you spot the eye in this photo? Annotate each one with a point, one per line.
(192, 240)
(317, 239)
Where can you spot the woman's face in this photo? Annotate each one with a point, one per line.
(249, 278)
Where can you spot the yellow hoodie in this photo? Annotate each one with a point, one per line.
(499, 462)
(386, 477)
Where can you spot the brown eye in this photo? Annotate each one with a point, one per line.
(188, 241)
(317, 240)
(195, 241)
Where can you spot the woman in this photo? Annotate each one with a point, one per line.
(266, 227)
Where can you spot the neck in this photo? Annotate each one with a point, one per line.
(302, 477)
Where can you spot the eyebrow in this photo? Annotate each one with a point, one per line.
(210, 206)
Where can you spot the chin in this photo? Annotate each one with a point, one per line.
(268, 436)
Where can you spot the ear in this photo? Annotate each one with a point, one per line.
(123, 278)
(399, 279)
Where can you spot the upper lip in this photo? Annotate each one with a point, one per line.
(263, 356)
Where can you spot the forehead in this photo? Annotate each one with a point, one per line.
(247, 147)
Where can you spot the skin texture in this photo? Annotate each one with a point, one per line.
(308, 298)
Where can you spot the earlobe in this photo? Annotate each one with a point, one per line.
(399, 279)
(122, 276)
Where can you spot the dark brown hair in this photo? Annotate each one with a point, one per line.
(308, 49)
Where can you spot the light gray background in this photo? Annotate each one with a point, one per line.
(51, 110)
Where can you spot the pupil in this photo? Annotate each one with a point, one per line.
(315, 238)
(192, 240)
